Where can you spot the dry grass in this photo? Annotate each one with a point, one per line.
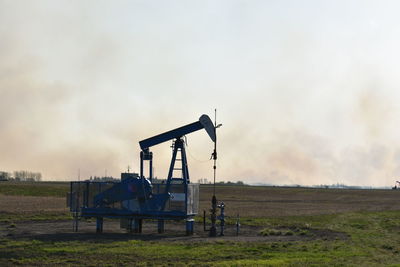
(275, 201)
(248, 201)
(29, 204)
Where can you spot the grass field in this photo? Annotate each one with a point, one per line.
(367, 223)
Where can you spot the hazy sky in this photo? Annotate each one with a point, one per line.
(308, 91)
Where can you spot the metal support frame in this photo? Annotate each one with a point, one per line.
(146, 155)
(179, 145)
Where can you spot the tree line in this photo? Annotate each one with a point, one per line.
(23, 176)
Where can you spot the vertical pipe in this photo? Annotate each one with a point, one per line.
(71, 195)
(141, 164)
(140, 225)
(76, 222)
(237, 224)
(151, 168)
(215, 151)
(137, 226)
(213, 229)
(87, 195)
(204, 220)
(99, 225)
(161, 225)
(130, 225)
(222, 218)
(77, 206)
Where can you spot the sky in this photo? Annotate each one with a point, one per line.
(307, 91)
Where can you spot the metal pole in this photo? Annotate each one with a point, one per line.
(204, 220)
(161, 226)
(141, 164)
(151, 168)
(237, 224)
(213, 229)
(99, 225)
(222, 218)
(215, 150)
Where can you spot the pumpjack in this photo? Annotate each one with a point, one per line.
(136, 197)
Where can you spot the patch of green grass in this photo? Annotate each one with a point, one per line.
(372, 241)
(160, 253)
(283, 232)
(303, 232)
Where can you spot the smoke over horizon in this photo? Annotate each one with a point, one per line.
(307, 93)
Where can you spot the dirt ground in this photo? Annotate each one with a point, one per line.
(174, 232)
(246, 201)
(28, 204)
(249, 201)
(275, 201)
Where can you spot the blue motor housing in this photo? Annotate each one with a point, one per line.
(128, 188)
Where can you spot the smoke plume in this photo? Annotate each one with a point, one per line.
(306, 95)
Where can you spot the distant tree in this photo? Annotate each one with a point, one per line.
(230, 183)
(4, 176)
(27, 176)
